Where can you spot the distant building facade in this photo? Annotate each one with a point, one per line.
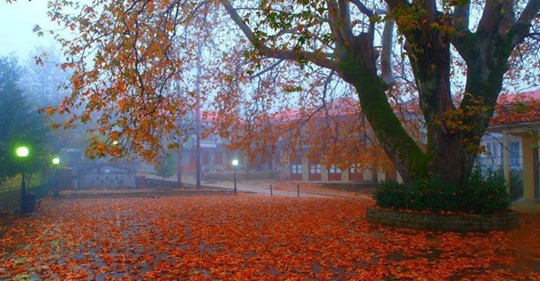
(88, 174)
(280, 164)
(106, 175)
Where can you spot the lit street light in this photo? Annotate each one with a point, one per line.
(235, 163)
(22, 152)
(55, 162)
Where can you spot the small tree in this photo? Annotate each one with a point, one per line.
(165, 166)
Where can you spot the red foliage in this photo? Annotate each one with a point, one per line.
(250, 238)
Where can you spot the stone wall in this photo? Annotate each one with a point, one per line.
(439, 222)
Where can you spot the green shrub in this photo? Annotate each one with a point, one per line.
(481, 194)
(390, 194)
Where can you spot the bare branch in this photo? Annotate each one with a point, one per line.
(267, 69)
(520, 29)
(462, 14)
(530, 12)
(362, 8)
(314, 57)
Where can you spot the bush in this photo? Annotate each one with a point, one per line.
(482, 194)
(390, 194)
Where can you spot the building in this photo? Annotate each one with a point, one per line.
(90, 174)
(279, 161)
(106, 175)
(514, 140)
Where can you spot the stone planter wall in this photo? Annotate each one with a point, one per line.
(438, 222)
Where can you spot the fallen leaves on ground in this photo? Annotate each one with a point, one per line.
(250, 237)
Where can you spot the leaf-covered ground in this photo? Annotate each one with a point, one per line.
(249, 237)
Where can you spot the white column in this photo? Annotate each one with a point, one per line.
(345, 174)
(506, 158)
(324, 173)
(305, 168)
(381, 175)
(528, 166)
(368, 174)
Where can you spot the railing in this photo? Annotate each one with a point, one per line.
(143, 182)
(10, 198)
(496, 162)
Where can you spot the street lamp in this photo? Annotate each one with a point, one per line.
(55, 162)
(22, 152)
(235, 163)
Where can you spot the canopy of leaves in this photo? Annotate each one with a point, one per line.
(138, 106)
(140, 66)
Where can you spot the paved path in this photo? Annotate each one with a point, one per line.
(527, 206)
(262, 187)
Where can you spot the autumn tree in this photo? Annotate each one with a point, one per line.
(20, 124)
(42, 84)
(269, 108)
(430, 30)
(138, 47)
(43, 77)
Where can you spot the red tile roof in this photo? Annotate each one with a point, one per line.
(517, 108)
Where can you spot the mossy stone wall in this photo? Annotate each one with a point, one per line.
(439, 222)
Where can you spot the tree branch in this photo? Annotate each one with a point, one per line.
(267, 69)
(297, 28)
(521, 28)
(462, 14)
(393, 4)
(491, 17)
(530, 12)
(362, 8)
(314, 57)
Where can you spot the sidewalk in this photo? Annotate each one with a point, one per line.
(527, 206)
(279, 188)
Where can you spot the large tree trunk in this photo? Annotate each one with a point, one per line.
(450, 157)
(453, 134)
(359, 69)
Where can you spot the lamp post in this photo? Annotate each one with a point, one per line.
(235, 163)
(22, 152)
(55, 162)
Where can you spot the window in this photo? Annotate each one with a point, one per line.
(493, 149)
(334, 170)
(315, 169)
(514, 153)
(356, 169)
(296, 169)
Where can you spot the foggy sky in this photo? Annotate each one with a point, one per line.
(16, 23)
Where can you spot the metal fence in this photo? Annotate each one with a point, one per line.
(10, 199)
(496, 162)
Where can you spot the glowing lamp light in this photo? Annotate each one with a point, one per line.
(22, 151)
